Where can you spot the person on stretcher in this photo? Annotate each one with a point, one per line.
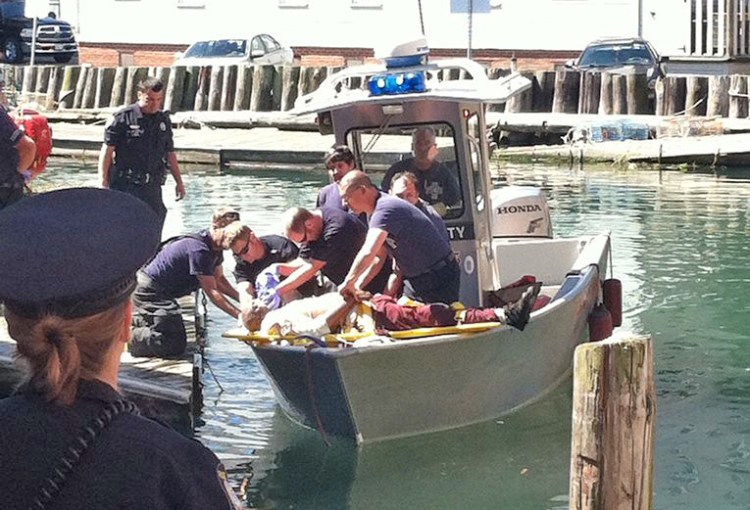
(366, 313)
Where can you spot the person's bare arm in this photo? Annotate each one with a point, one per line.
(364, 260)
(26, 152)
(208, 284)
(174, 169)
(395, 281)
(105, 163)
(302, 274)
(223, 284)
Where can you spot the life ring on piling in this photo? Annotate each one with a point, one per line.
(600, 323)
(612, 290)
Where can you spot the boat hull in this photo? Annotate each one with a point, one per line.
(416, 386)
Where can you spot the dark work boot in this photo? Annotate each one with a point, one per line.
(517, 313)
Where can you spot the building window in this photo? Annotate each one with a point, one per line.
(294, 3)
(367, 4)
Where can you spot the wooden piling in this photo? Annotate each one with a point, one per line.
(637, 94)
(718, 96)
(619, 94)
(27, 89)
(104, 83)
(521, 102)
(228, 88)
(214, 88)
(117, 96)
(305, 79)
(161, 73)
(590, 90)
(674, 95)
(244, 88)
(543, 91)
(201, 89)
(40, 87)
(89, 88)
(261, 99)
(67, 89)
(605, 95)
(278, 88)
(175, 88)
(190, 88)
(696, 95)
(614, 411)
(567, 84)
(135, 76)
(53, 88)
(81, 86)
(289, 89)
(738, 100)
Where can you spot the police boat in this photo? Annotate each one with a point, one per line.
(414, 382)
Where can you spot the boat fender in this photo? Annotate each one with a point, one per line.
(612, 290)
(600, 323)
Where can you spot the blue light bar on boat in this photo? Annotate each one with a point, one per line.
(396, 83)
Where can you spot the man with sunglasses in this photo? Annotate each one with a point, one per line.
(138, 148)
(254, 255)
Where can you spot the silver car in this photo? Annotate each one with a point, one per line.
(261, 49)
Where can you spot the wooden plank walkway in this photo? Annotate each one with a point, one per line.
(728, 150)
(270, 147)
(168, 389)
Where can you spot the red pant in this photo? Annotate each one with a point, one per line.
(389, 315)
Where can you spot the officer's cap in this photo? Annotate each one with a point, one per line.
(73, 252)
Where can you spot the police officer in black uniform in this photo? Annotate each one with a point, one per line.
(68, 439)
(137, 142)
(17, 152)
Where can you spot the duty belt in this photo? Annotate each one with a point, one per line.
(130, 176)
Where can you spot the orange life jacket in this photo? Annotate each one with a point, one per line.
(36, 127)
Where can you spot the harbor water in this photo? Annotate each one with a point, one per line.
(680, 242)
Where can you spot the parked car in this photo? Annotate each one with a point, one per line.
(260, 49)
(621, 54)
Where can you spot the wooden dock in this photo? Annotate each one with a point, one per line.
(168, 389)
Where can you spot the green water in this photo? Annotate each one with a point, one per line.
(680, 248)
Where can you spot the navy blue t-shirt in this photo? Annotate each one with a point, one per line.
(339, 242)
(435, 218)
(435, 185)
(278, 249)
(175, 269)
(329, 196)
(413, 241)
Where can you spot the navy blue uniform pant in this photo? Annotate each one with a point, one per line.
(158, 328)
(149, 193)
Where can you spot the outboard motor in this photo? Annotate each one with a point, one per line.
(520, 211)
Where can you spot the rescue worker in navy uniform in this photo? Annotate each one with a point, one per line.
(17, 153)
(182, 265)
(68, 439)
(137, 141)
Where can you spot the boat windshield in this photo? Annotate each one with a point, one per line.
(426, 150)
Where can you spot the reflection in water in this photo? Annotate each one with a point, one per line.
(681, 249)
